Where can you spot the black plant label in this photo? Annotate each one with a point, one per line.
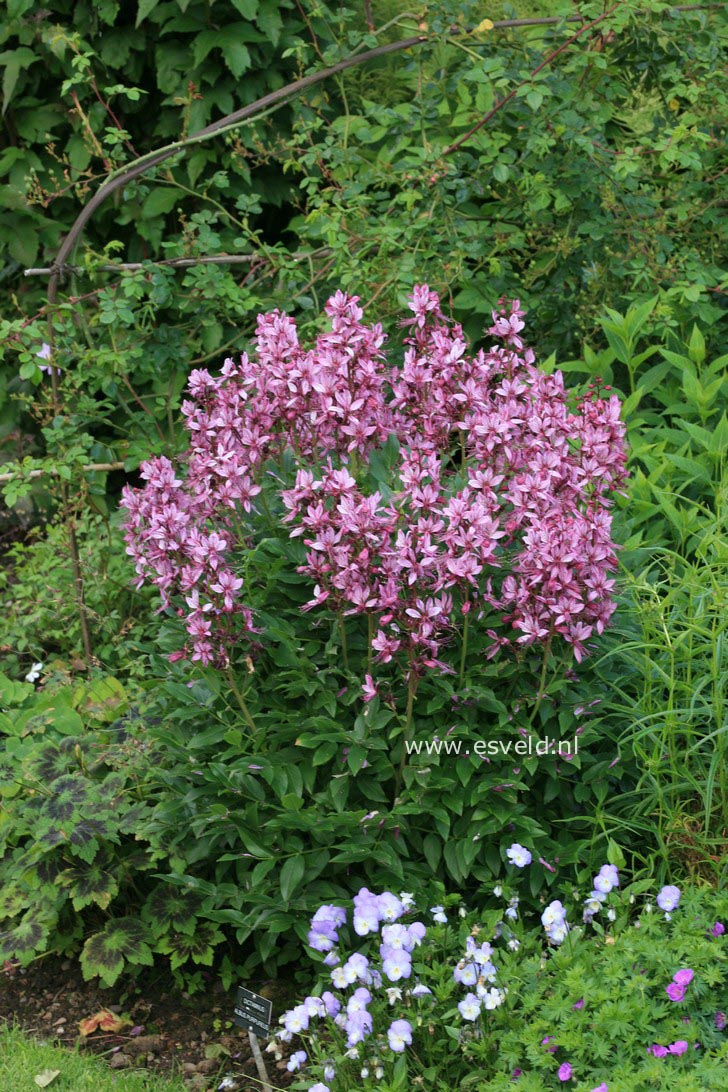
(252, 1012)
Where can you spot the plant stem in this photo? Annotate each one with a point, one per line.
(408, 722)
(542, 680)
(370, 638)
(464, 649)
(241, 701)
(344, 647)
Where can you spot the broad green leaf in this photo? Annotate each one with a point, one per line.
(160, 201)
(292, 873)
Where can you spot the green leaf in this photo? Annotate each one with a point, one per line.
(614, 855)
(160, 201)
(291, 875)
(237, 57)
(432, 847)
(204, 42)
(270, 22)
(247, 8)
(15, 61)
(145, 8)
(696, 346)
(105, 953)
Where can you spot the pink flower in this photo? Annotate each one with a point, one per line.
(678, 1047)
(522, 533)
(683, 977)
(565, 1071)
(369, 689)
(675, 991)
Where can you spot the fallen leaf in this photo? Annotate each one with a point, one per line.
(482, 27)
(103, 1019)
(46, 1077)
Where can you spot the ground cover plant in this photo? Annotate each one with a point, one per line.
(616, 991)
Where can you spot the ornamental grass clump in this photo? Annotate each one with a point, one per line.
(447, 489)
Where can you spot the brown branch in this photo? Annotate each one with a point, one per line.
(171, 263)
(88, 468)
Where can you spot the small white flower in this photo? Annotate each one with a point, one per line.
(512, 913)
(407, 899)
(34, 673)
(379, 1073)
(493, 998)
(514, 944)
(438, 914)
(394, 994)
(353, 1053)
(462, 912)
(225, 1083)
(329, 1073)
(612, 915)
(668, 917)
(648, 908)
(518, 855)
(364, 1073)
(497, 890)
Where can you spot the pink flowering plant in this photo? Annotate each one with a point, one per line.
(457, 485)
(363, 547)
(411, 995)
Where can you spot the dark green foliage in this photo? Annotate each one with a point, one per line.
(162, 69)
(662, 671)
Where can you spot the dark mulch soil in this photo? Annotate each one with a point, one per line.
(192, 1037)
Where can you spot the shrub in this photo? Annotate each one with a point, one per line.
(625, 997)
(287, 782)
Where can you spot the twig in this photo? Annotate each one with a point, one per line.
(172, 263)
(89, 468)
